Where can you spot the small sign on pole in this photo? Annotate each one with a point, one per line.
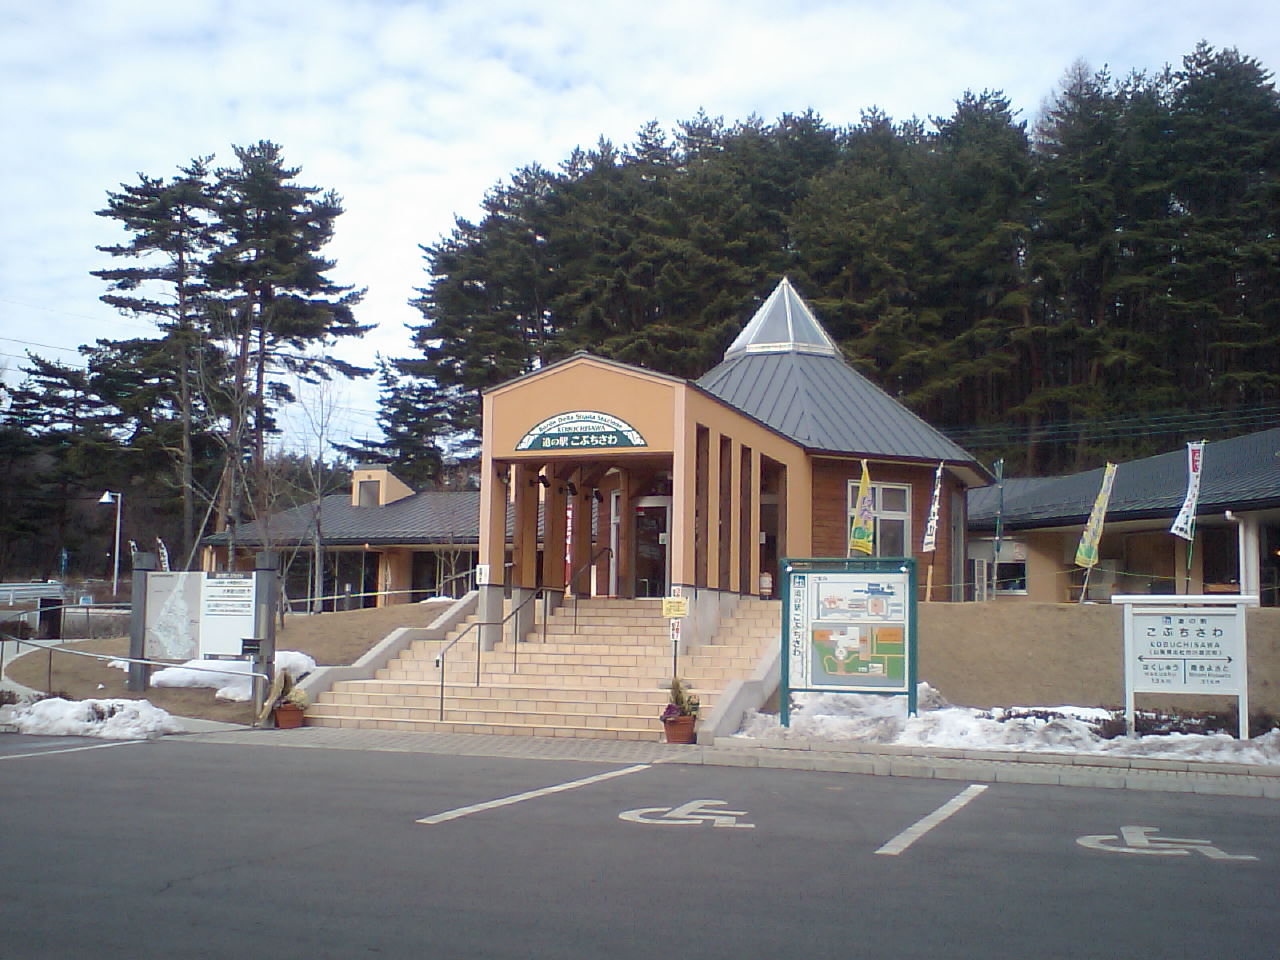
(1186, 644)
(675, 606)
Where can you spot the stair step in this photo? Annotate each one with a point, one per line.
(600, 672)
(506, 729)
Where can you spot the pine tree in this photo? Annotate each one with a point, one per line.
(172, 233)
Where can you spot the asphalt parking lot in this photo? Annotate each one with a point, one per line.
(185, 848)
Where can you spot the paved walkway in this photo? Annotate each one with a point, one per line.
(1070, 770)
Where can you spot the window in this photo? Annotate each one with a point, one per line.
(891, 503)
(367, 493)
(1011, 576)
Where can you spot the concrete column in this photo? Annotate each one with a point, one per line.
(554, 501)
(494, 491)
(1248, 539)
(733, 581)
(752, 586)
(524, 547)
(715, 504)
(580, 535)
(626, 558)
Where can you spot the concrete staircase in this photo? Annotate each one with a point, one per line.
(605, 678)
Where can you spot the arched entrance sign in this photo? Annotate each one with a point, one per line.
(581, 430)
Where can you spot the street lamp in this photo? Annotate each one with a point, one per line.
(118, 498)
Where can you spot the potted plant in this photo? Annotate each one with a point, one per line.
(289, 705)
(680, 714)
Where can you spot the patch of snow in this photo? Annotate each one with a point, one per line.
(106, 719)
(230, 678)
(884, 720)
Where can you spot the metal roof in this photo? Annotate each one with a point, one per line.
(1242, 473)
(430, 517)
(803, 389)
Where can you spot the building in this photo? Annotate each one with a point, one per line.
(378, 543)
(704, 486)
(1237, 533)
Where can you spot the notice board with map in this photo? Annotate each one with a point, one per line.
(849, 626)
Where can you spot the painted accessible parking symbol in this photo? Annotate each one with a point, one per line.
(1140, 841)
(691, 814)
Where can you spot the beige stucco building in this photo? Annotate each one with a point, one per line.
(650, 483)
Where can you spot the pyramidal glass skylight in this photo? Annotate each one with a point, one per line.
(783, 324)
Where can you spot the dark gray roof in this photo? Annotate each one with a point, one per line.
(430, 517)
(804, 390)
(1238, 474)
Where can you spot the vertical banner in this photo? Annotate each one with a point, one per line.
(1184, 525)
(1087, 552)
(930, 542)
(862, 530)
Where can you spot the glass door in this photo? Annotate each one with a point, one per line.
(653, 525)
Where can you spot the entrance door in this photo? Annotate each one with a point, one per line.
(653, 526)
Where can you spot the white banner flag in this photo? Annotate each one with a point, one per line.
(931, 528)
(1185, 523)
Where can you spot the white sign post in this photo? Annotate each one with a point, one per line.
(1186, 644)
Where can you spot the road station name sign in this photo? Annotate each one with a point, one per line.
(1186, 644)
(581, 430)
(1178, 650)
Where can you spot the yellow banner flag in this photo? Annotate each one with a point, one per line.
(1087, 552)
(862, 525)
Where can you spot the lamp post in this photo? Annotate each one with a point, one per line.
(118, 499)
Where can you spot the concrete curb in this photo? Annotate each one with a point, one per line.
(882, 760)
(992, 766)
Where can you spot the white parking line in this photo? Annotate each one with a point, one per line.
(918, 829)
(531, 795)
(46, 753)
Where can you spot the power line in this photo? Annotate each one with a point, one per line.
(1155, 424)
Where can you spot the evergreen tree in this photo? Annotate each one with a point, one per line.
(274, 300)
(172, 232)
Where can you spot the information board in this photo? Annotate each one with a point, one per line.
(849, 627)
(173, 604)
(1186, 644)
(1179, 650)
(227, 613)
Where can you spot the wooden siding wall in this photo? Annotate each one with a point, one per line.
(830, 511)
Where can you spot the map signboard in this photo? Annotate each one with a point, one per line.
(849, 627)
(172, 629)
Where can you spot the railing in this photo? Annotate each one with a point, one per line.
(539, 592)
(443, 652)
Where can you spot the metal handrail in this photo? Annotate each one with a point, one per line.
(541, 591)
(440, 654)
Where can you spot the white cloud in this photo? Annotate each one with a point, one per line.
(411, 109)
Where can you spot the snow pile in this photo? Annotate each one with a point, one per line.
(107, 719)
(231, 679)
(876, 719)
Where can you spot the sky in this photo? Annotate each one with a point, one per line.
(412, 109)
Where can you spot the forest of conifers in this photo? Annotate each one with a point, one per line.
(1098, 281)
(1093, 285)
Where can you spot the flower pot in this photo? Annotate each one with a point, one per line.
(288, 716)
(680, 729)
